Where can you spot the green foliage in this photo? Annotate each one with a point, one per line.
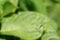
(30, 19)
(2, 39)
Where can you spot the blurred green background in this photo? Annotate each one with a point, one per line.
(51, 8)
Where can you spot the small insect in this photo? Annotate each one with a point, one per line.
(39, 28)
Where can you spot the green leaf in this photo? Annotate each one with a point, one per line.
(8, 8)
(50, 36)
(40, 6)
(2, 2)
(27, 25)
(22, 5)
(55, 14)
(14, 2)
(2, 39)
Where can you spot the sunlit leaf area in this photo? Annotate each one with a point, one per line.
(29, 19)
